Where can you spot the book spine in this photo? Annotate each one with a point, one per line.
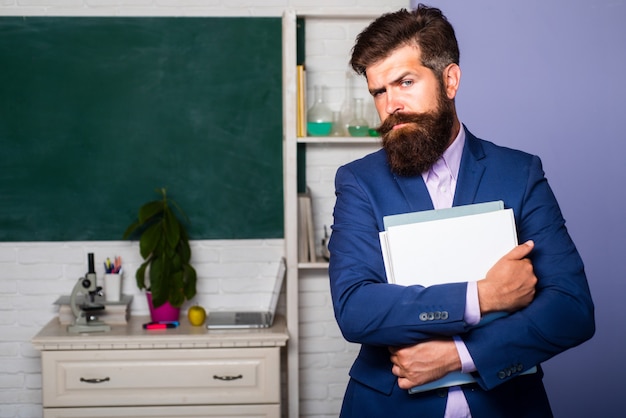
(301, 101)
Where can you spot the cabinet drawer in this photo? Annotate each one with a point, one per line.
(233, 411)
(161, 377)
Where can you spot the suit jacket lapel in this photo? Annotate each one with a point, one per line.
(415, 193)
(470, 172)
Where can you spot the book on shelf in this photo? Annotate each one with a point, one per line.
(303, 250)
(457, 244)
(300, 101)
(114, 313)
(306, 233)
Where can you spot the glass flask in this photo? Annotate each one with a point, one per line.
(338, 128)
(346, 106)
(358, 126)
(373, 118)
(319, 116)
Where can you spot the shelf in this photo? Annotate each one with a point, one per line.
(339, 140)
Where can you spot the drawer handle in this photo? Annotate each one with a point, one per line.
(227, 378)
(106, 379)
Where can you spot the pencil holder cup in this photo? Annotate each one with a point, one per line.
(112, 287)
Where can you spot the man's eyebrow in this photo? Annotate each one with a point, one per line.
(398, 80)
(374, 92)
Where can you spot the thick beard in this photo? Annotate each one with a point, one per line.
(414, 148)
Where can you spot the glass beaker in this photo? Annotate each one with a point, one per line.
(338, 128)
(373, 118)
(358, 126)
(346, 107)
(319, 116)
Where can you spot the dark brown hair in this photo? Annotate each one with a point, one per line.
(425, 27)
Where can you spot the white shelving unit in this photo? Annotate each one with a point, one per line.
(290, 170)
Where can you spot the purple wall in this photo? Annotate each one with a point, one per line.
(547, 77)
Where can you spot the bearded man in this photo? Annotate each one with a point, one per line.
(429, 160)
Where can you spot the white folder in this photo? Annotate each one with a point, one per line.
(447, 250)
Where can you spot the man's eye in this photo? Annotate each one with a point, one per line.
(407, 83)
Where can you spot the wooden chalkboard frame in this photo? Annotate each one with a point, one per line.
(98, 112)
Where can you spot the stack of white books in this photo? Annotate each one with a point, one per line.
(452, 245)
(457, 244)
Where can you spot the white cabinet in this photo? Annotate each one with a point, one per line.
(182, 372)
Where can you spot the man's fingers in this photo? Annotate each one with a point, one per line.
(520, 251)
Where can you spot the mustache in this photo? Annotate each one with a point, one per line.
(400, 118)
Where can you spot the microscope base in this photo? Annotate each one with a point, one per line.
(93, 327)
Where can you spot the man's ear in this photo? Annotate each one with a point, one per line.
(452, 80)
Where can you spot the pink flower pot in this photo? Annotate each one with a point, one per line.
(165, 312)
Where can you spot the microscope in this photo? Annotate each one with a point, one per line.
(85, 319)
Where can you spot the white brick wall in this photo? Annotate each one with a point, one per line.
(33, 275)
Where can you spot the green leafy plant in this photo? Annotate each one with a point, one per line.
(164, 246)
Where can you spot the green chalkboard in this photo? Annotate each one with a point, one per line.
(98, 112)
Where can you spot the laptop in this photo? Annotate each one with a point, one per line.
(250, 319)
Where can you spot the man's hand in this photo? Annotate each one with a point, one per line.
(510, 283)
(424, 362)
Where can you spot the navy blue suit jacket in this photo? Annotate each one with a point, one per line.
(376, 314)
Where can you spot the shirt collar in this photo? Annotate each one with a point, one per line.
(451, 158)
